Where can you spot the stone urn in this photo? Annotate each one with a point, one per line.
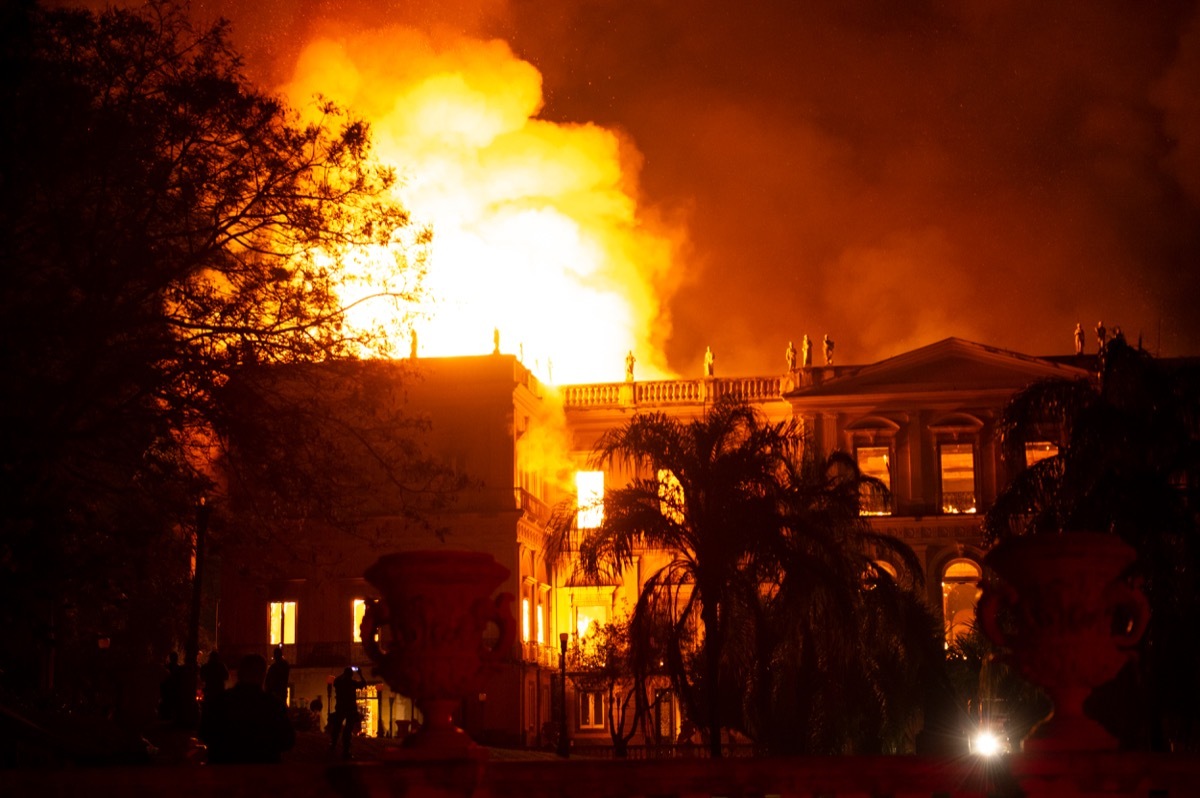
(1069, 620)
(437, 607)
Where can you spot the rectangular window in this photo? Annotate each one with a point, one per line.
(591, 709)
(1037, 451)
(874, 461)
(541, 624)
(589, 490)
(283, 623)
(525, 620)
(956, 462)
(360, 608)
(589, 619)
(670, 496)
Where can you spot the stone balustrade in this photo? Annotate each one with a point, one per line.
(669, 392)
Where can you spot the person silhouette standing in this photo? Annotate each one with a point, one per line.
(344, 720)
(245, 724)
(277, 676)
(171, 691)
(213, 675)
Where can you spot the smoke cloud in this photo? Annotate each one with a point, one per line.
(886, 173)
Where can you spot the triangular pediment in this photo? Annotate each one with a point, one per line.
(952, 365)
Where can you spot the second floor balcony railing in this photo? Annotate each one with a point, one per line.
(672, 392)
(333, 655)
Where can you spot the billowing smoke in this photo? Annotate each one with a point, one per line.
(887, 173)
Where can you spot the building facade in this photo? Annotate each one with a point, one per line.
(923, 422)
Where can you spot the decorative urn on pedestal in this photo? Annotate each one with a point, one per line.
(438, 606)
(1069, 619)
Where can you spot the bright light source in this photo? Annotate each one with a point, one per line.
(986, 744)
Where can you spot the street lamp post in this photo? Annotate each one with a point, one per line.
(564, 749)
(192, 645)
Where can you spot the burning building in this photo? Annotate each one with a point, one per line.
(923, 422)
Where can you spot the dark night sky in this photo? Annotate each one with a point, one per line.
(889, 173)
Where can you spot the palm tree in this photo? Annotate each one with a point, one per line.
(1128, 463)
(749, 519)
(836, 639)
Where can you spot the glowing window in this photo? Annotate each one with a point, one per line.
(589, 619)
(957, 464)
(360, 608)
(589, 490)
(541, 624)
(1037, 451)
(874, 461)
(670, 496)
(282, 618)
(591, 709)
(525, 619)
(960, 590)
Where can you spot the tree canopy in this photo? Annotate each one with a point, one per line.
(768, 565)
(163, 224)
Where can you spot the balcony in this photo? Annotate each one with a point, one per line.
(538, 654)
(672, 392)
(335, 654)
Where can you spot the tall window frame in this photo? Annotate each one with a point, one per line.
(957, 462)
(958, 478)
(589, 499)
(358, 610)
(590, 715)
(874, 461)
(670, 496)
(281, 623)
(874, 436)
(960, 595)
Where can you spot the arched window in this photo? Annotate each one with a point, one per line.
(960, 590)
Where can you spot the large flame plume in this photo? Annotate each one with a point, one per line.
(537, 234)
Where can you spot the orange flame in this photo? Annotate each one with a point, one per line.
(537, 231)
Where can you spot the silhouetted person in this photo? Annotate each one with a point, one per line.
(245, 724)
(277, 676)
(171, 690)
(344, 719)
(1101, 335)
(213, 675)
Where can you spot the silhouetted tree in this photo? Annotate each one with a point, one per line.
(1128, 463)
(163, 223)
(602, 662)
(763, 542)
